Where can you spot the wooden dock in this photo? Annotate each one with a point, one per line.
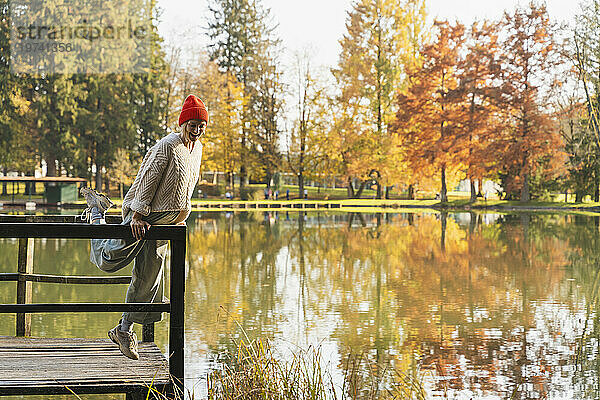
(66, 366)
(30, 365)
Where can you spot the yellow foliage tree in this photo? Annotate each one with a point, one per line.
(382, 36)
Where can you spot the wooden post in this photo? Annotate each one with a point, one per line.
(176, 322)
(148, 332)
(24, 292)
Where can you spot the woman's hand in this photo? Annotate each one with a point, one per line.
(139, 227)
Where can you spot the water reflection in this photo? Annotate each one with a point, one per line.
(482, 304)
(488, 304)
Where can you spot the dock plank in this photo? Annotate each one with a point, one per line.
(45, 365)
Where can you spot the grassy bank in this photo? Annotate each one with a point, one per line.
(373, 205)
(457, 201)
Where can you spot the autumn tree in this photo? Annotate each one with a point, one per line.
(244, 45)
(231, 48)
(529, 62)
(586, 59)
(429, 121)
(224, 97)
(307, 144)
(581, 148)
(266, 108)
(380, 38)
(479, 72)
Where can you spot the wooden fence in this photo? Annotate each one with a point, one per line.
(27, 228)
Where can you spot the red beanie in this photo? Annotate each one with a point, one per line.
(193, 108)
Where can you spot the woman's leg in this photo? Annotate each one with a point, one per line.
(147, 281)
(110, 255)
(147, 276)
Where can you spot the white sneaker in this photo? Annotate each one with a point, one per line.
(94, 199)
(127, 342)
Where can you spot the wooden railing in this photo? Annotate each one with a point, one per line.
(27, 228)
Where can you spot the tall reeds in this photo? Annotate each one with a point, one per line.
(254, 372)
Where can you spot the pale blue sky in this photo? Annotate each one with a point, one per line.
(320, 23)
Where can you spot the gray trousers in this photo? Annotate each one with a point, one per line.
(110, 255)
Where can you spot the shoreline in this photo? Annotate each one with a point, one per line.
(355, 205)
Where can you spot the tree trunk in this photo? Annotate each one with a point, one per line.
(300, 186)
(444, 191)
(411, 192)
(479, 188)
(379, 191)
(388, 190)
(98, 177)
(360, 189)
(350, 189)
(578, 196)
(243, 172)
(121, 191)
(525, 189)
(473, 191)
(242, 178)
(269, 178)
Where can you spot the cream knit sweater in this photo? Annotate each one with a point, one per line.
(166, 179)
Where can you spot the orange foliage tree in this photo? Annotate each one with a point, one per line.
(529, 61)
(479, 70)
(429, 121)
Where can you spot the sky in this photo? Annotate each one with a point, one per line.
(319, 24)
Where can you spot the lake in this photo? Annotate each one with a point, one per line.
(474, 305)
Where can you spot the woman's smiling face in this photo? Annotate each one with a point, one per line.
(194, 129)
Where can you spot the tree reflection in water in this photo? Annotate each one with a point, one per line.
(488, 304)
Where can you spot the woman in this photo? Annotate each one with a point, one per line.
(160, 195)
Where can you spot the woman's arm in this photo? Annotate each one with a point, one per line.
(139, 227)
(149, 177)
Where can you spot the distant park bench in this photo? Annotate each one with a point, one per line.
(45, 366)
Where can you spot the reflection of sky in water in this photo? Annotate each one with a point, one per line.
(494, 306)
